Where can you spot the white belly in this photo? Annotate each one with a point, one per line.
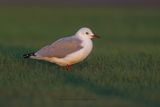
(76, 56)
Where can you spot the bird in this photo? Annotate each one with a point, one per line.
(67, 51)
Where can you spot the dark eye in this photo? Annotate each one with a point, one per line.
(87, 33)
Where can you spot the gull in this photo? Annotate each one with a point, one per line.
(68, 50)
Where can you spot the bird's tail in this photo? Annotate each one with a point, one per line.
(28, 55)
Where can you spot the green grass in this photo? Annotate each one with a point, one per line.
(122, 71)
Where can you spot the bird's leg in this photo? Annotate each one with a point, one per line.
(68, 67)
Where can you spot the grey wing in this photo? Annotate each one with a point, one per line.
(61, 48)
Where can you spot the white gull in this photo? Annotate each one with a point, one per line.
(68, 50)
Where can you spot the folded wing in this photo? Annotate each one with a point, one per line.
(60, 48)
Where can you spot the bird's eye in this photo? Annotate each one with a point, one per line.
(87, 33)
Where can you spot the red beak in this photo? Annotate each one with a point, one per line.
(96, 36)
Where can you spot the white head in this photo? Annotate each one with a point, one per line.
(86, 33)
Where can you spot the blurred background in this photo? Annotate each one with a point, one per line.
(125, 20)
(122, 71)
(82, 2)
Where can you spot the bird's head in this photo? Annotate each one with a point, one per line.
(86, 33)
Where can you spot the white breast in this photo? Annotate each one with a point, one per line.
(76, 56)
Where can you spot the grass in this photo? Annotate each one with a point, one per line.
(123, 69)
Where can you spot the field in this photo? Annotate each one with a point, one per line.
(122, 71)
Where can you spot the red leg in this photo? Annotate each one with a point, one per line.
(68, 67)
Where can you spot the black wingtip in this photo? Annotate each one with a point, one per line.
(28, 55)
